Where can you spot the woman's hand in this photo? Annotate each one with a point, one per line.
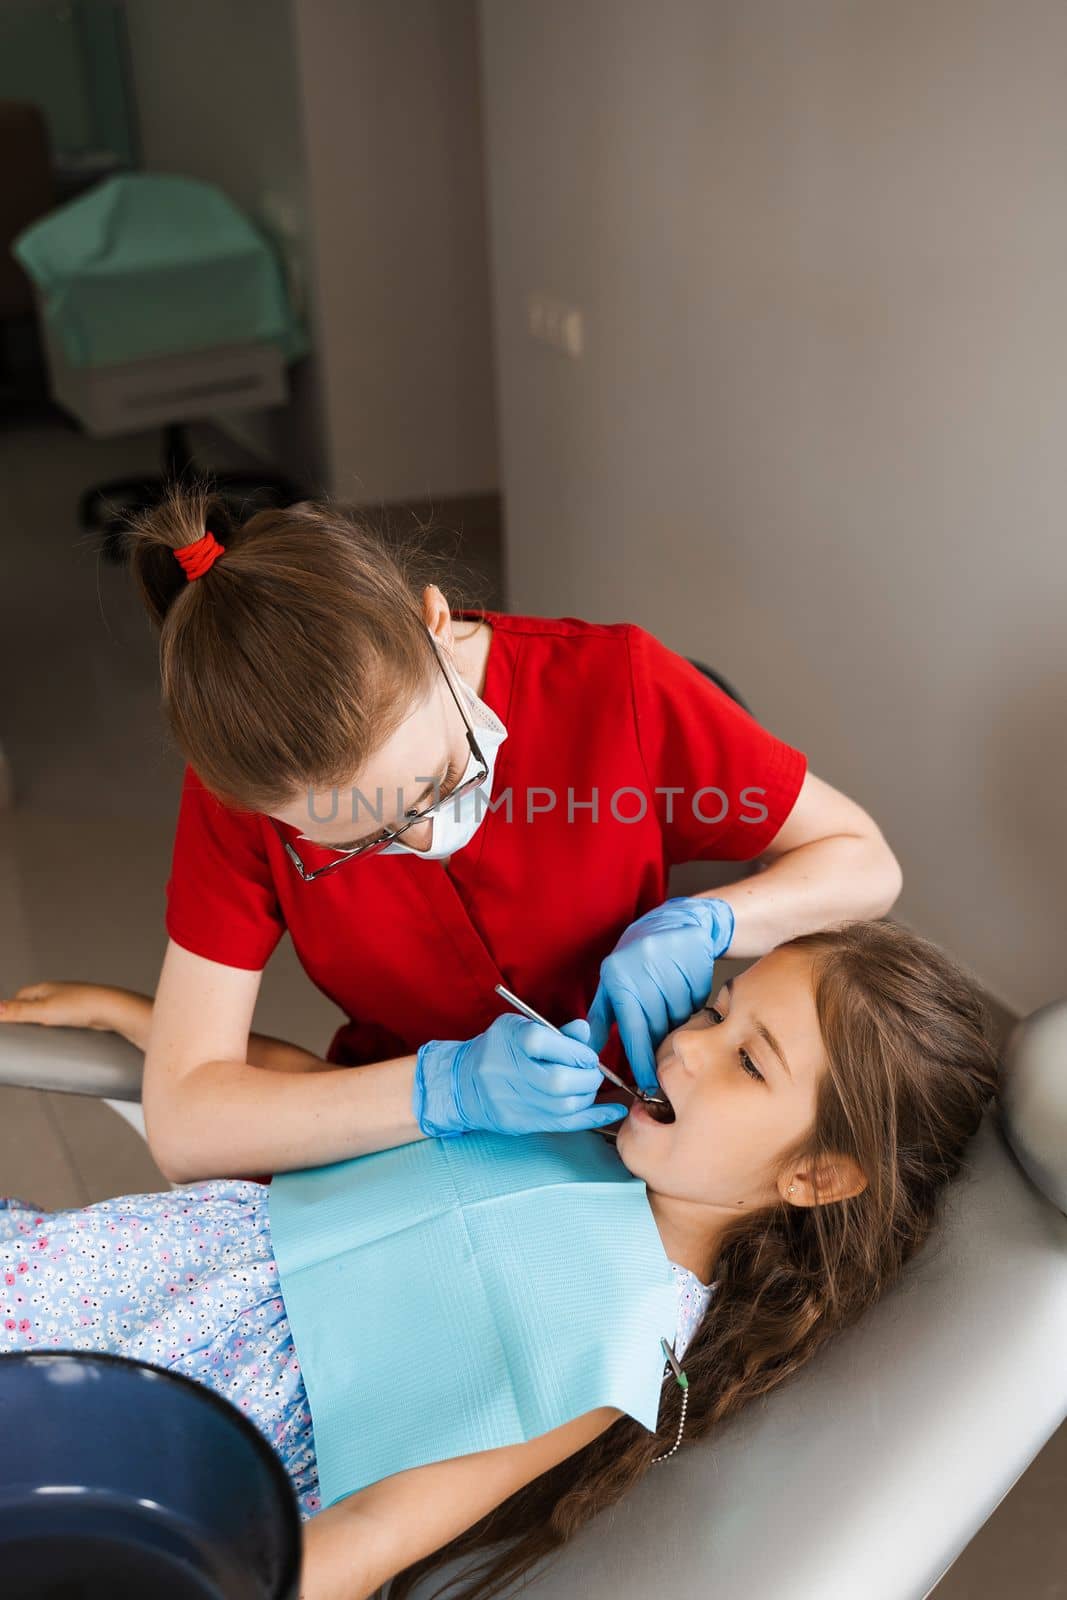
(659, 973)
(516, 1077)
(81, 1005)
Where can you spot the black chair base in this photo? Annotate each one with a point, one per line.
(106, 508)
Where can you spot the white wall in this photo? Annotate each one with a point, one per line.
(392, 131)
(817, 434)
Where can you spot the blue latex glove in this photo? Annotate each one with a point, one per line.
(658, 974)
(516, 1077)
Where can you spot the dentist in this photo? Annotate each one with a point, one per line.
(429, 805)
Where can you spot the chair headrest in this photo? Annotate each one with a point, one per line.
(1033, 1098)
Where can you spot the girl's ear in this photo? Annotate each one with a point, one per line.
(437, 616)
(818, 1183)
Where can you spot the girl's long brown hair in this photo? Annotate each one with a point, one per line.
(911, 1065)
(297, 654)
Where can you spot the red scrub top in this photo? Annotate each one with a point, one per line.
(410, 949)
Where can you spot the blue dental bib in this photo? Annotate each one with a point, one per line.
(456, 1295)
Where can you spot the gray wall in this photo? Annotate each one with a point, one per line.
(354, 125)
(393, 137)
(817, 433)
(217, 97)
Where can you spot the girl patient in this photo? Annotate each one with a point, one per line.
(822, 1101)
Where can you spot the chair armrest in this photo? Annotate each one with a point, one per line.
(70, 1060)
(1033, 1098)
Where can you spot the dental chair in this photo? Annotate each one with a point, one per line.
(870, 1471)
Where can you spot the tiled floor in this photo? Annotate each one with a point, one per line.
(84, 857)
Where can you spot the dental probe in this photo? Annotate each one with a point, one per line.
(535, 1016)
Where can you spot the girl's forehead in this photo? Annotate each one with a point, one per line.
(778, 993)
(783, 979)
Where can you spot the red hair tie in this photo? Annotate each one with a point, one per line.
(196, 558)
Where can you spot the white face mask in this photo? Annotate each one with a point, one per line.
(455, 825)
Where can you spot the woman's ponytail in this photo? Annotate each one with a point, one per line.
(154, 537)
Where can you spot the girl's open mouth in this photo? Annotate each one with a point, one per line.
(656, 1111)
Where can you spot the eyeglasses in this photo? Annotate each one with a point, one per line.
(380, 841)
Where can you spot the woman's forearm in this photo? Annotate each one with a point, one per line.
(233, 1119)
(829, 881)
